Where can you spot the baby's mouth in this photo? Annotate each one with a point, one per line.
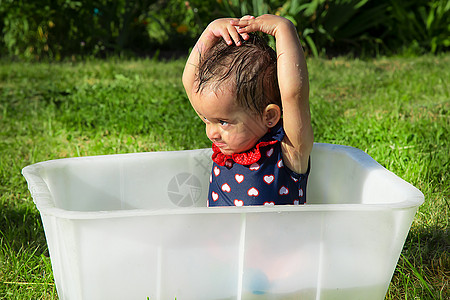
(220, 144)
(223, 147)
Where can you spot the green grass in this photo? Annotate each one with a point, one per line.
(395, 109)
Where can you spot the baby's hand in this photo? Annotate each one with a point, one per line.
(222, 28)
(268, 24)
(216, 30)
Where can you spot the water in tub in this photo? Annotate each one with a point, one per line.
(363, 293)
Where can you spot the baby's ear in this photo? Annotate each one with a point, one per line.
(271, 115)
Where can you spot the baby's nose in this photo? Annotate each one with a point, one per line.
(212, 132)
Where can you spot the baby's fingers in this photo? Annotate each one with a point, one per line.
(247, 17)
(242, 26)
(245, 26)
(230, 35)
(244, 35)
(242, 22)
(266, 23)
(235, 37)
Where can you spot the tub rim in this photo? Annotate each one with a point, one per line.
(113, 214)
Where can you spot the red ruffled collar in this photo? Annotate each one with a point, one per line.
(245, 158)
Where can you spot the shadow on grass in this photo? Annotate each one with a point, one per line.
(422, 269)
(21, 229)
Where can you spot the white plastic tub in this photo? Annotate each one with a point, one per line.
(133, 226)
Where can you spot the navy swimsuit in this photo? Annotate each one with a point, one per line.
(256, 177)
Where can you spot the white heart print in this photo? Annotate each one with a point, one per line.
(226, 188)
(239, 178)
(215, 196)
(216, 171)
(253, 192)
(238, 202)
(254, 167)
(268, 179)
(283, 190)
(280, 163)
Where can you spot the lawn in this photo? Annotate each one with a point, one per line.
(395, 109)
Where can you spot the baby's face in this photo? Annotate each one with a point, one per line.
(230, 127)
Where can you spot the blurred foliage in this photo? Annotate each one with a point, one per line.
(422, 24)
(53, 29)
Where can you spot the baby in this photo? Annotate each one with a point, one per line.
(255, 104)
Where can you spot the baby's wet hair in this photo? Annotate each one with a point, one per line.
(250, 70)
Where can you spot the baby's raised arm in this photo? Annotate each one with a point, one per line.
(294, 86)
(220, 28)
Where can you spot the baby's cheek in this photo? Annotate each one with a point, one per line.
(242, 143)
(229, 138)
(228, 134)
